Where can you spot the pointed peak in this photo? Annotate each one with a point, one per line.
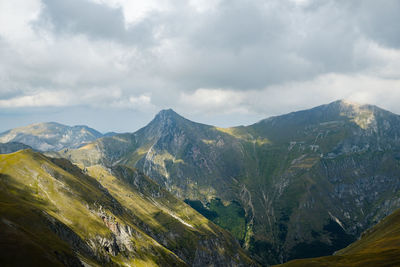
(168, 118)
(168, 113)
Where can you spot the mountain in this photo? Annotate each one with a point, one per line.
(53, 213)
(378, 246)
(12, 147)
(304, 184)
(50, 136)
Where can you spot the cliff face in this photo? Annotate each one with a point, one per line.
(56, 214)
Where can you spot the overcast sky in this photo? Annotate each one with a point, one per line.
(113, 64)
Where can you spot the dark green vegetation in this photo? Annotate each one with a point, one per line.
(378, 246)
(52, 213)
(230, 216)
(313, 178)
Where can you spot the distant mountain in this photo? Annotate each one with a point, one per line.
(54, 214)
(378, 246)
(12, 147)
(304, 184)
(110, 134)
(51, 136)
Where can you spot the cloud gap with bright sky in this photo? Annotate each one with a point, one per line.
(113, 64)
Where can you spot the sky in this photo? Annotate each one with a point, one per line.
(113, 64)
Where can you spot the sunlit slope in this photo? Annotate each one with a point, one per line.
(304, 184)
(168, 220)
(378, 246)
(56, 209)
(54, 214)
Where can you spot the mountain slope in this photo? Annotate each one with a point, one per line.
(12, 147)
(54, 213)
(50, 136)
(304, 184)
(378, 246)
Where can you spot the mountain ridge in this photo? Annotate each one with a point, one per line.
(100, 217)
(302, 184)
(51, 136)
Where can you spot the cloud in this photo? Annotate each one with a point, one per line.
(379, 21)
(96, 97)
(288, 97)
(213, 100)
(94, 20)
(255, 58)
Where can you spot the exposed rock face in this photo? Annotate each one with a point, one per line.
(309, 182)
(121, 238)
(51, 136)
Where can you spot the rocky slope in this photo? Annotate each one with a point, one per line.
(53, 213)
(50, 136)
(299, 185)
(378, 246)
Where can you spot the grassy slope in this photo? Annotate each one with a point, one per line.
(165, 214)
(35, 192)
(378, 246)
(166, 230)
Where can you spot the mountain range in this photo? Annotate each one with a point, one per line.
(51, 136)
(300, 185)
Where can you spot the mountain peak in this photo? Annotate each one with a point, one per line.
(168, 114)
(167, 121)
(345, 103)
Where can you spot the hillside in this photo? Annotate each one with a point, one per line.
(378, 246)
(50, 136)
(53, 213)
(304, 184)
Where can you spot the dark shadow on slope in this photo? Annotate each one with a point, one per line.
(31, 237)
(338, 238)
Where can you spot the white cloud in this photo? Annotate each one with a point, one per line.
(136, 10)
(279, 99)
(40, 99)
(16, 16)
(141, 103)
(213, 100)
